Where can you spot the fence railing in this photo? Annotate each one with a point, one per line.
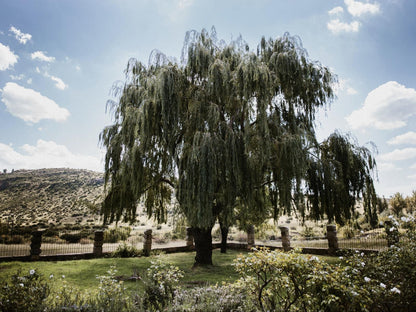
(73, 243)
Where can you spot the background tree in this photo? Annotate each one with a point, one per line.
(411, 203)
(227, 129)
(397, 204)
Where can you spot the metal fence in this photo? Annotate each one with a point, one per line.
(67, 243)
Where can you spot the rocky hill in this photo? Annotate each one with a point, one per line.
(50, 196)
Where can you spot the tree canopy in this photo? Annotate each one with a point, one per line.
(229, 127)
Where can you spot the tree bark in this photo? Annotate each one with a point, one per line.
(224, 234)
(203, 246)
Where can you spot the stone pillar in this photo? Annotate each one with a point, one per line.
(331, 234)
(35, 245)
(147, 244)
(250, 236)
(285, 238)
(98, 243)
(189, 238)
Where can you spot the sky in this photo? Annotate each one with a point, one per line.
(60, 58)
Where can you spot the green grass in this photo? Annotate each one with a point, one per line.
(82, 274)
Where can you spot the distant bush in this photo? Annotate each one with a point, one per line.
(126, 251)
(114, 235)
(13, 239)
(72, 238)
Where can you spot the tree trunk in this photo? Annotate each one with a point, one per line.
(224, 234)
(203, 246)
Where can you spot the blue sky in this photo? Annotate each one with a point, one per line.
(59, 59)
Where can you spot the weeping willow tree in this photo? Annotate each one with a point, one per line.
(340, 172)
(225, 129)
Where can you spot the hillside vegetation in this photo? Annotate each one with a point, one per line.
(50, 196)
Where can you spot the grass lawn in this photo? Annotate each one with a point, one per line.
(82, 274)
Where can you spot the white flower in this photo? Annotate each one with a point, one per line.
(404, 219)
(363, 264)
(392, 229)
(395, 290)
(362, 254)
(21, 285)
(391, 217)
(63, 276)
(382, 285)
(31, 272)
(367, 279)
(51, 276)
(341, 257)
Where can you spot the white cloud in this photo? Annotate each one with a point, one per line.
(17, 77)
(351, 91)
(336, 26)
(387, 166)
(41, 56)
(45, 154)
(413, 166)
(406, 138)
(335, 11)
(7, 57)
(413, 176)
(399, 154)
(78, 68)
(58, 81)
(357, 8)
(182, 4)
(386, 107)
(344, 85)
(30, 105)
(20, 36)
(29, 81)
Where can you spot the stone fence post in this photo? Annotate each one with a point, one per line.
(331, 234)
(36, 242)
(285, 238)
(250, 236)
(147, 244)
(189, 238)
(98, 243)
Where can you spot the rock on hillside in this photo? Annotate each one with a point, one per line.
(48, 196)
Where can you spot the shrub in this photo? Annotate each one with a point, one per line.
(24, 293)
(115, 235)
(160, 284)
(72, 238)
(13, 239)
(394, 270)
(112, 296)
(126, 251)
(210, 299)
(276, 281)
(347, 231)
(308, 232)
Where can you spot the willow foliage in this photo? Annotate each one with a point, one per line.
(225, 128)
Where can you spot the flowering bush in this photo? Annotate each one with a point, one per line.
(224, 298)
(24, 293)
(160, 285)
(278, 281)
(393, 271)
